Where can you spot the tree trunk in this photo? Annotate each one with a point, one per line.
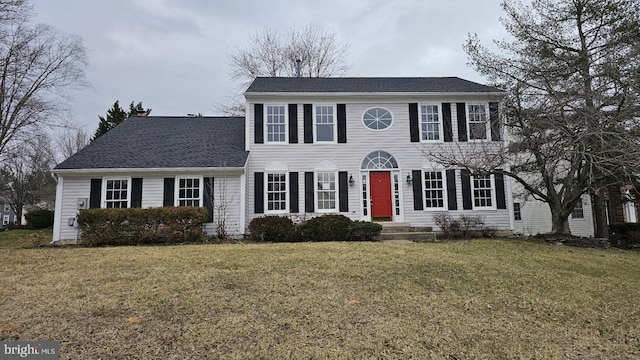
(559, 223)
(599, 214)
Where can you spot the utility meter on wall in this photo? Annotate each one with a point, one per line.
(82, 203)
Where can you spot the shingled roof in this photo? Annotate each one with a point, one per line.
(368, 85)
(165, 142)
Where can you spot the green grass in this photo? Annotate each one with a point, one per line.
(20, 238)
(486, 299)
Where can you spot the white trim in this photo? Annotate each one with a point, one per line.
(487, 122)
(57, 214)
(440, 122)
(103, 190)
(247, 125)
(266, 189)
(364, 181)
(176, 189)
(243, 198)
(335, 123)
(316, 190)
(200, 170)
(445, 199)
(265, 124)
(6, 220)
(371, 94)
(373, 108)
(492, 187)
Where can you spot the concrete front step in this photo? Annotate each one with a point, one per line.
(402, 227)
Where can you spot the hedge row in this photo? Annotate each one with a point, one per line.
(330, 227)
(136, 226)
(39, 219)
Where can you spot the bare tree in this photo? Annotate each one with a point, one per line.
(25, 178)
(38, 67)
(572, 111)
(271, 54)
(69, 141)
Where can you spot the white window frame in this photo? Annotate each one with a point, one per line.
(286, 192)
(424, 189)
(266, 124)
(104, 190)
(7, 208)
(315, 123)
(493, 194)
(440, 123)
(5, 220)
(317, 191)
(177, 197)
(576, 208)
(517, 211)
(377, 108)
(15, 219)
(487, 121)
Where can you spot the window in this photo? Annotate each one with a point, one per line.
(477, 122)
(482, 194)
(377, 119)
(378, 160)
(429, 123)
(276, 124)
(517, 213)
(326, 191)
(277, 192)
(15, 219)
(325, 123)
(7, 208)
(578, 211)
(116, 193)
(5, 220)
(433, 190)
(189, 191)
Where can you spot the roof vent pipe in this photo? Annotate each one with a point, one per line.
(298, 67)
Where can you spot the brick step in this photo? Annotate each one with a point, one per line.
(414, 236)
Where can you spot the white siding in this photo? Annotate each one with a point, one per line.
(361, 141)
(226, 205)
(74, 187)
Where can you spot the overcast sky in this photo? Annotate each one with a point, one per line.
(172, 54)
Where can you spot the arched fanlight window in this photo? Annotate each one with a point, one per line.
(379, 160)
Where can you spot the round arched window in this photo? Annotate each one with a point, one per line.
(378, 160)
(377, 118)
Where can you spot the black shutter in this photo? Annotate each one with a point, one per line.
(309, 205)
(293, 123)
(207, 197)
(417, 190)
(258, 113)
(500, 199)
(136, 192)
(293, 192)
(94, 193)
(169, 189)
(494, 120)
(414, 128)
(342, 123)
(308, 123)
(343, 190)
(466, 189)
(446, 122)
(451, 190)
(259, 193)
(462, 121)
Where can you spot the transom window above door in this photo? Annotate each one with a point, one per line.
(379, 160)
(377, 118)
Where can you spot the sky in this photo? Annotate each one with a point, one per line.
(173, 54)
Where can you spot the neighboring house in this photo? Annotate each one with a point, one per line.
(309, 146)
(7, 215)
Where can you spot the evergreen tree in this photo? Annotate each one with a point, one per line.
(116, 115)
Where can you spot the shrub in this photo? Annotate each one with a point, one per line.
(39, 219)
(272, 229)
(464, 226)
(364, 231)
(625, 235)
(142, 226)
(330, 227)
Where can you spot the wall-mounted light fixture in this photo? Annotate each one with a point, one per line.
(409, 179)
(351, 181)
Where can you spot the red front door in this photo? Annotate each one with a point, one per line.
(381, 201)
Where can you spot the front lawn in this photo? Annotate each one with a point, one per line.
(485, 299)
(24, 238)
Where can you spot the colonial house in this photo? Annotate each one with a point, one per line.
(7, 215)
(307, 147)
